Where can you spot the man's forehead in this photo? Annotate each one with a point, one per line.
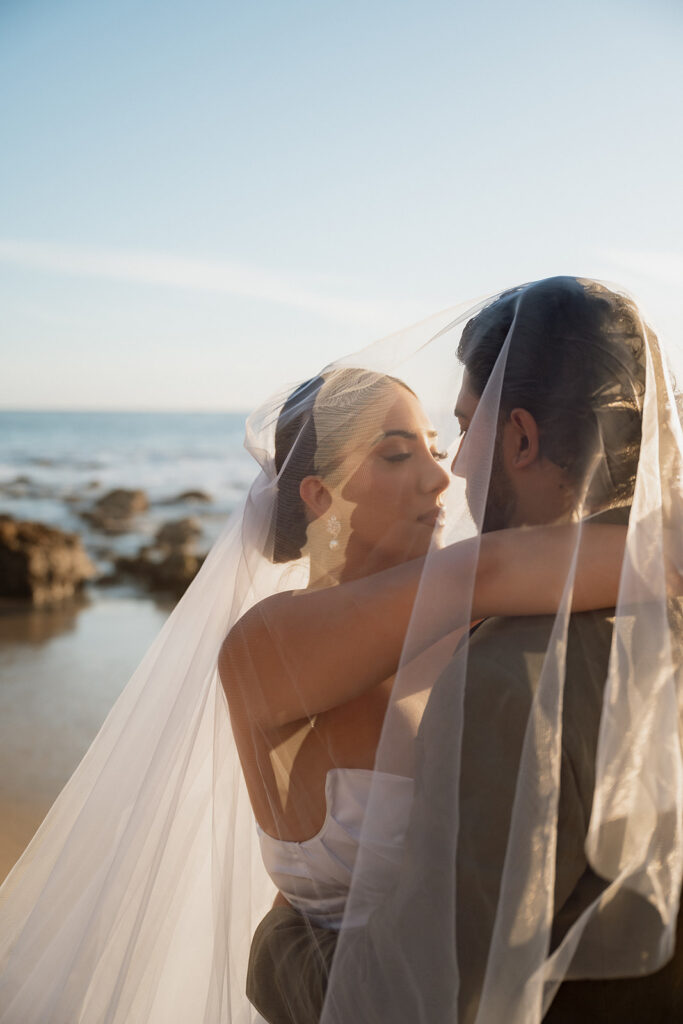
(467, 400)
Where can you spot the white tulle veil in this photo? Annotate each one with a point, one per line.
(435, 950)
(137, 898)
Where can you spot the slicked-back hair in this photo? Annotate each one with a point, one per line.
(576, 362)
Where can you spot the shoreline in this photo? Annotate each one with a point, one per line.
(61, 671)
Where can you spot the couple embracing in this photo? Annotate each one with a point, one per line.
(437, 658)
(462, 751)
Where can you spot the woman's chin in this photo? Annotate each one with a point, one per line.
(433, 535)
(438, 539)
(428, 538)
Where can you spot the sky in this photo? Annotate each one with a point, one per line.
(202, 201)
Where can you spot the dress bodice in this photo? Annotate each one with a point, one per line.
(315, 875)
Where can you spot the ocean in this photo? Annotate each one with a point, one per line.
(53, 465)
(62, 667)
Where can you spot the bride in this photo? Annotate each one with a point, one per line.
(308, 674)
(138, 895)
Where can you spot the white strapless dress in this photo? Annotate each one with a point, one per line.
(315, 875)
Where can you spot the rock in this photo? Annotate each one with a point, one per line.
(103, 552)
(171, 572)
(176, 571)
(178, 532)
(25, 487)
(122, 504)
(165, 564)
(141, 566)
(40, 563)
(73, 497)
(198, 496)
(15, 488)
(112, 513)
(108, 579)
(105, 525)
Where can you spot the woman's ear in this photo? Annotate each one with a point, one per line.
(315, 496)
(525, 442)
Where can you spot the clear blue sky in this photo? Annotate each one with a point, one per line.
(202, 200)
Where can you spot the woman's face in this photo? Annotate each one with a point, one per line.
(394, 483)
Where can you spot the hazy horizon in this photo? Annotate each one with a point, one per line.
(122, 411)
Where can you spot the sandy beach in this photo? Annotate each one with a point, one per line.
(63, 663)
(61, 671)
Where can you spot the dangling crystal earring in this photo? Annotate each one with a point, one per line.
(333, 527)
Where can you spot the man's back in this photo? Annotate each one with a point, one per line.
(505, 665)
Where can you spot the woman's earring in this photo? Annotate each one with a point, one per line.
(333, 527)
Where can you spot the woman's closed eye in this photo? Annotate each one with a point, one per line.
(402, 456)
(397, 457)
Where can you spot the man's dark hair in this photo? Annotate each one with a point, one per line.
(576, 362)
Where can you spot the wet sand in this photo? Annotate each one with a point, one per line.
(60, 672)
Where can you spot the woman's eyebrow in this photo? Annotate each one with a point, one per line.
(409, 435)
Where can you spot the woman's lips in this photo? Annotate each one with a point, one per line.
(433, 517)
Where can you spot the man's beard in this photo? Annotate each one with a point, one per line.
(500, 503)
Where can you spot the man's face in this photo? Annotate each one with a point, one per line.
(500, 501)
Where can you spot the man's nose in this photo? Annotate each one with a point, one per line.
(457, 465)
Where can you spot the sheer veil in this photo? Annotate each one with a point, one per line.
(502, 895)
(137, 898)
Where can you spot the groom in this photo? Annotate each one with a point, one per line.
(544, 443)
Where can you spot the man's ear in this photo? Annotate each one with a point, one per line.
(523, 439)
(315, 496)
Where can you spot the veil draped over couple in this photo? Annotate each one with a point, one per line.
(408, 750)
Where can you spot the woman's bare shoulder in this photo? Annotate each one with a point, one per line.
(246, 647)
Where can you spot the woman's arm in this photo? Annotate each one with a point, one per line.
(297, 654)
(524, 571)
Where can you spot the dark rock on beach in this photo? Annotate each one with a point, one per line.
(84, 494)
(39, 563)
(199, 497)
(24, 487)
(17, 488)
(178, 532)
(122, 503)
(113, 512)
(171, 572)
(140, 566)
(176, 571)
(169, 563)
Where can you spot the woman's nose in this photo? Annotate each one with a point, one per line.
(437, 478)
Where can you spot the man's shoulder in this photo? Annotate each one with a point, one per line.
(532, 632)
(505, 660)
(515, 647)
